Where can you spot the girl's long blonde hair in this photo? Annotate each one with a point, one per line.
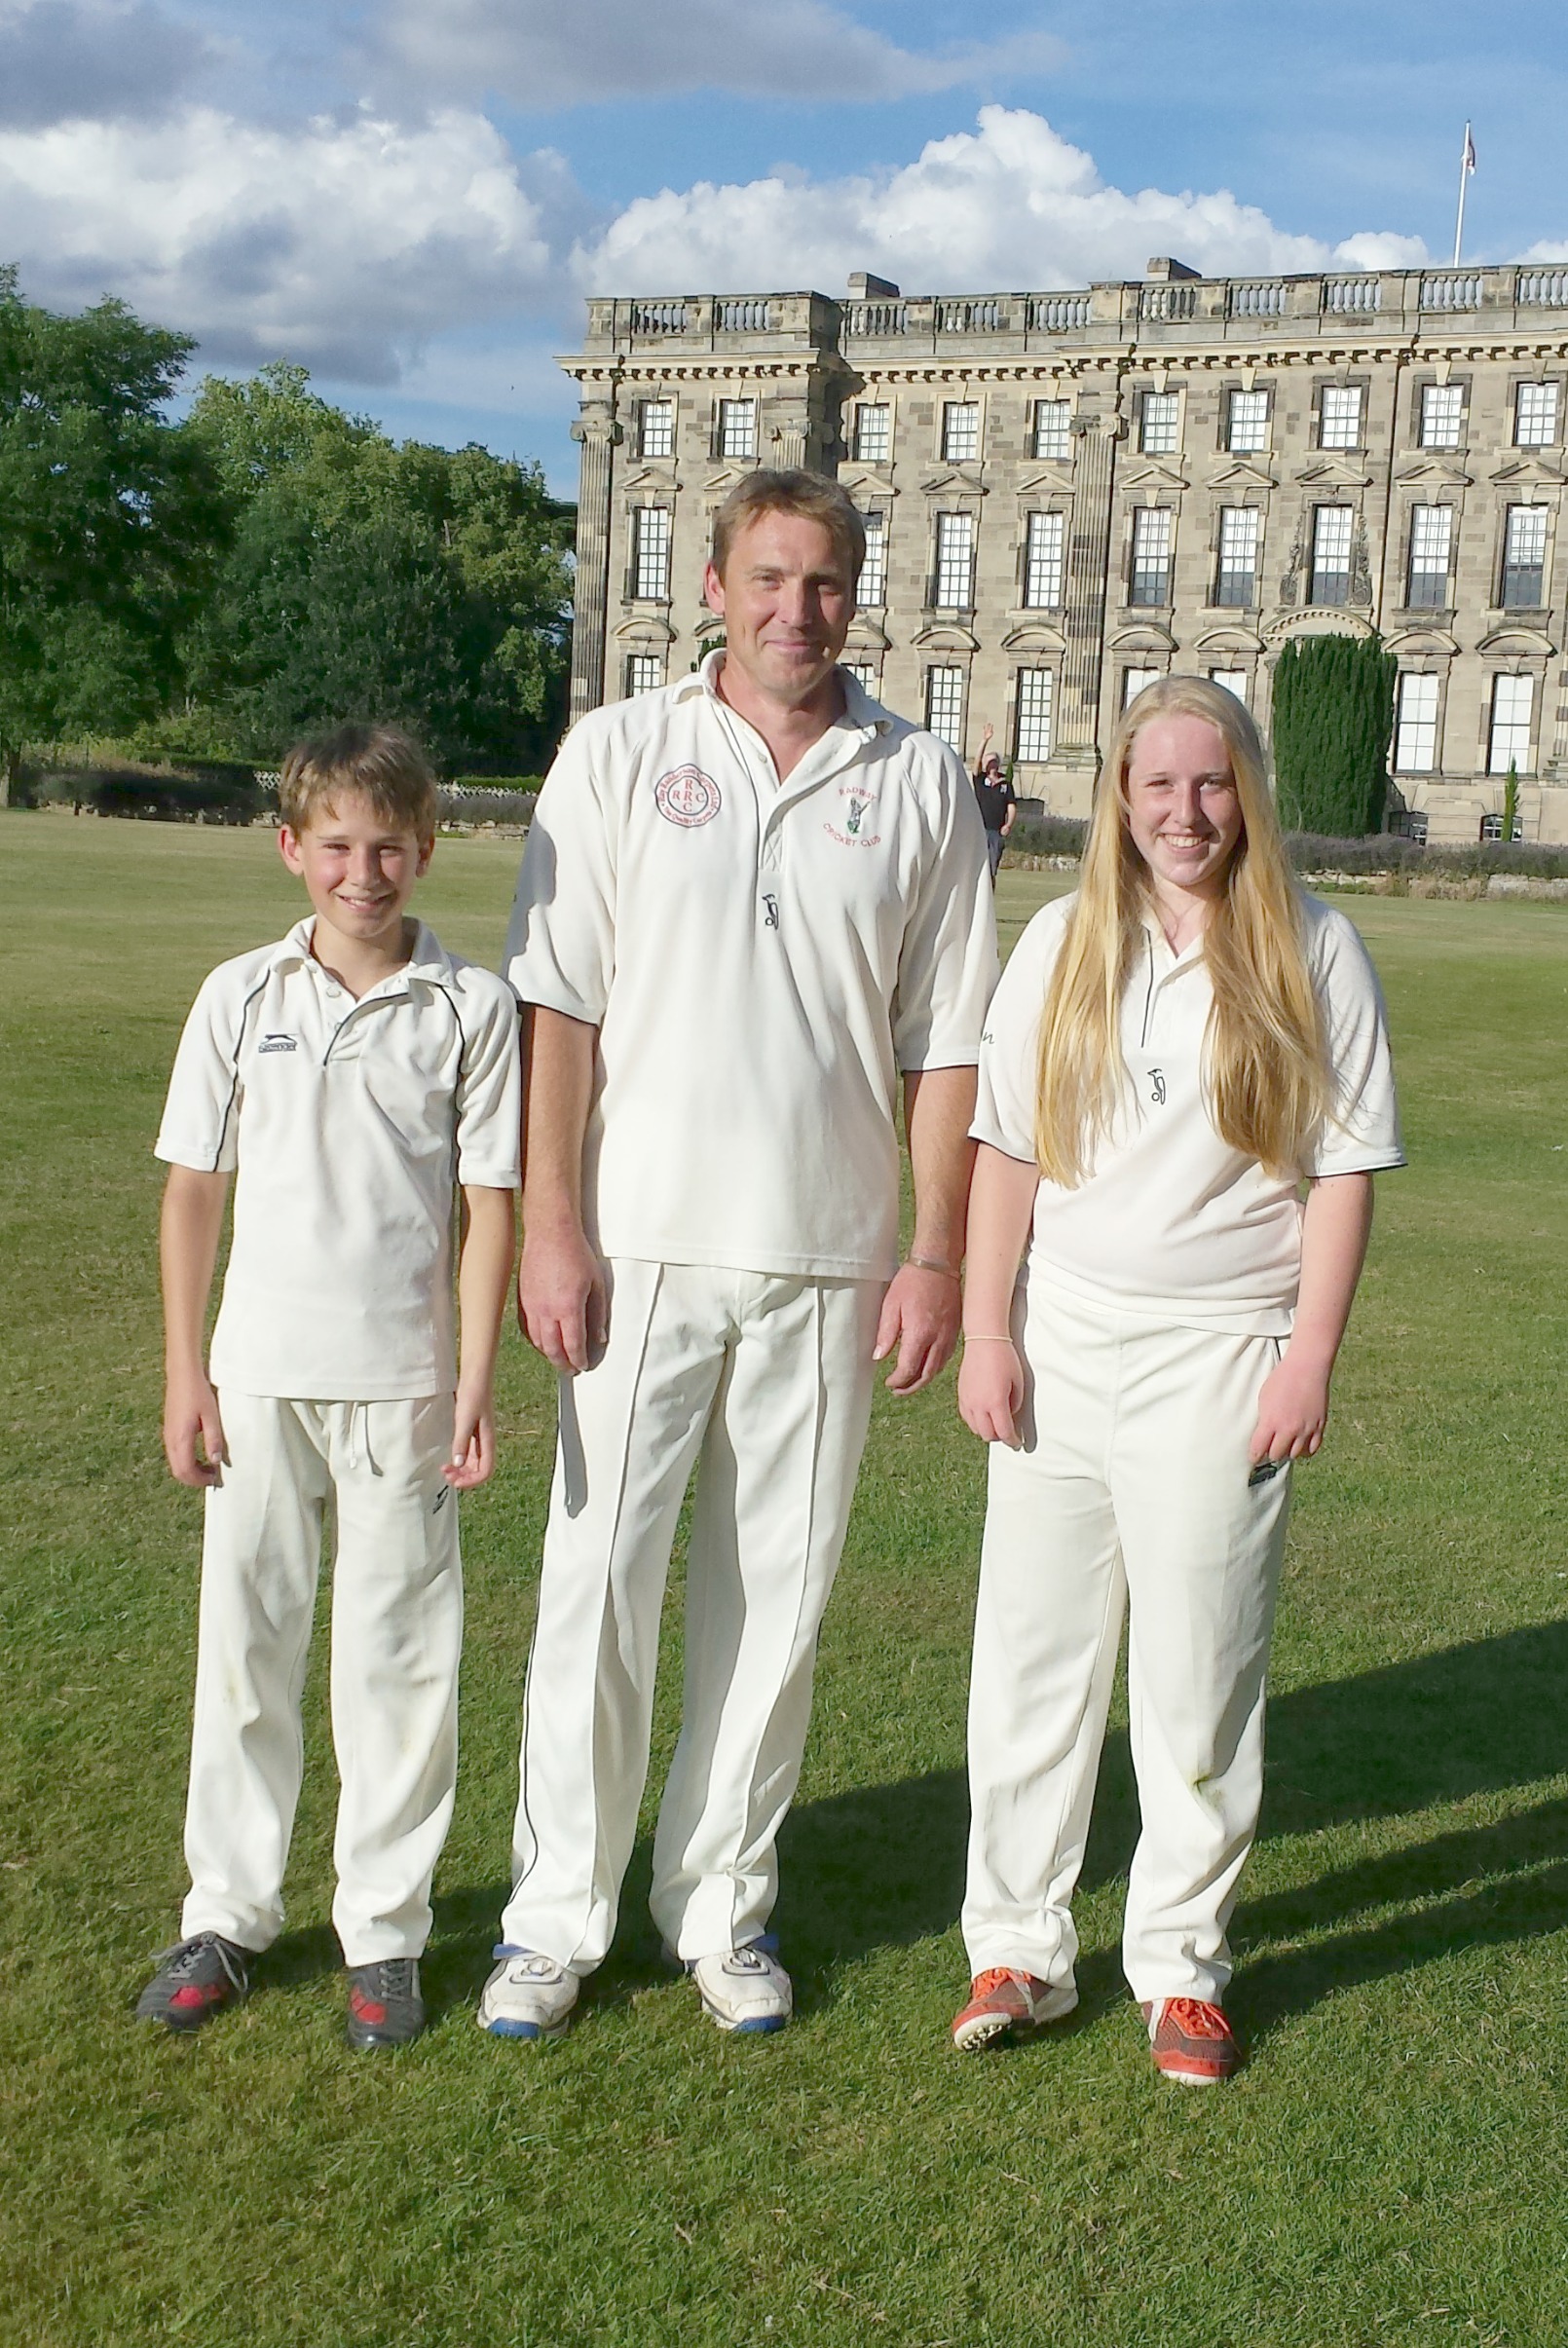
(1266, 1063)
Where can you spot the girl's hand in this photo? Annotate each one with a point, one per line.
(1292, 1410)
(474, 1443)
(990, 1392)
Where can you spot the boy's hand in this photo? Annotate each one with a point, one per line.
(561, 1299)
(1292, 1410)
(990, 1392)
(193, 1431)
(473, 1445)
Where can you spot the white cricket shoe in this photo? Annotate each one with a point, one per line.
(744, 1989)
(527, 1995)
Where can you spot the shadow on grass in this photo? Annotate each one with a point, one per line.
(883, 1865)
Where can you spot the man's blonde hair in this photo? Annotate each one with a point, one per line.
(383, 764)
(811, 496)
(1266, 1072)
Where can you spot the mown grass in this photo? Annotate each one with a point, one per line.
(1390, 2167)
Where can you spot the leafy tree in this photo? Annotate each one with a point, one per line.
(109, 519)
(368, 577)
(1333, 713)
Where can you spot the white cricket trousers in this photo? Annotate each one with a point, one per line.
(1130, 1494)
(396, 1634)
(764, 1384)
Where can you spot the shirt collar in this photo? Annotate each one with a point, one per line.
(861, 714)
(430, 958)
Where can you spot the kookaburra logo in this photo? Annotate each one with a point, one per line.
(1157, 1085)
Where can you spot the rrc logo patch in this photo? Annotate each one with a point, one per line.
(687, 797)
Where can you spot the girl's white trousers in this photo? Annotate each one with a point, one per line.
(1130, 1494)
(764, 1384)
(396, 1633)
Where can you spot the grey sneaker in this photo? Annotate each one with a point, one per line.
(385, 2006)
(195, 1980)
(526, 1996)
(744, 1989)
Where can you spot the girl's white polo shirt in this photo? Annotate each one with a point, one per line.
(760, 960)
(346, 1124)
(1173, 1224)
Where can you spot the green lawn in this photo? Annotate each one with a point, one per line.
(1391, 2165)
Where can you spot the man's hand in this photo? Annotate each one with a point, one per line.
(193, 1431)
(561, 1299)
(1292, 1410)
(920, 1316)
(991, 1391)
(472, 1457)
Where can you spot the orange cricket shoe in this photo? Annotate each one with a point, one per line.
(1191, 2041)
(1003, 2000)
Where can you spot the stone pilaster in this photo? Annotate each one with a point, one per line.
(596, 432)
(1093, 474)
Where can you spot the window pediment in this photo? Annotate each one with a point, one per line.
(1434, 472)
(1412, 642)
(872, 478)
(1034, 635)
(950, 482)
(1144, 635)
(1528, 471)
(1333, 472)
(660, 477)
(647, 627)
(1243, 475)
(1054, 476)
(866, 635)
(1528, 643)
(947, 636)
(1324, 619)
(1145, 474)
(1230, 640)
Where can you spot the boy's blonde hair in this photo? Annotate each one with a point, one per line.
(383, 764)
(1267, 1072)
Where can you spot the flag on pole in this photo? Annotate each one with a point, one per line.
(1466, 165)
(1469, 150)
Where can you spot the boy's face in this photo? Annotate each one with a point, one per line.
(358, 868)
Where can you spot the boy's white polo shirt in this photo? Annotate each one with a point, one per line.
(1173, 1224)
(347, 1124)
(760, 960)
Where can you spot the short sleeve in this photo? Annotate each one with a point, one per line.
(560, 943)
(948, 964)
(201, 1121)
(490, 1094)
(1009, 1052)
(1361, 1135)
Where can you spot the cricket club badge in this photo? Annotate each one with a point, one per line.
(687, 797)
(856, 804)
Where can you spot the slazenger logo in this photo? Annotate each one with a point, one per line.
(857, 801)
(278, 1043)
(687, 797)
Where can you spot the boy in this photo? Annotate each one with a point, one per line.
(350, 1075)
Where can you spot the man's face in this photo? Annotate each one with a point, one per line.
(786, 599)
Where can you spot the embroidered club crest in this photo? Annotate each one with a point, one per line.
(687, 797)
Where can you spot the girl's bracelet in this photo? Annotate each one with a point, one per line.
(984, 1337)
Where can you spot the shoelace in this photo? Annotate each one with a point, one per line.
(1195, 2019)
(993, 1977)
(182, 1959)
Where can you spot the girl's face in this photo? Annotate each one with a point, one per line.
(1182, 808)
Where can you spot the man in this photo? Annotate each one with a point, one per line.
(996, 800)
(749, 899)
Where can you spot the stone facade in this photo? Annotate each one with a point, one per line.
(1074, 489)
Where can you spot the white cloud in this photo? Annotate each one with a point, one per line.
(344, 243)
(1009, 204)
(539, 53)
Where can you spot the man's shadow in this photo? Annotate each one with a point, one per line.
(881, 1866)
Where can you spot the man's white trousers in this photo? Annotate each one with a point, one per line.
(763, 1383)
(396, 1636)
(1129, 1495)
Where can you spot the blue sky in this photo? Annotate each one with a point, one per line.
(412, 197)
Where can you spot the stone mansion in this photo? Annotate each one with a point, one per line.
(1066, 494)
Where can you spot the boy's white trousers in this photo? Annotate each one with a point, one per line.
(396, 1634)
(763, 1383)
(1130, 1494)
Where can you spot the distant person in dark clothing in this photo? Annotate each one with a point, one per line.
(999, 801)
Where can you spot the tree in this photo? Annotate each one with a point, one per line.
(376, 579)
(109, 521)
(1333, 713)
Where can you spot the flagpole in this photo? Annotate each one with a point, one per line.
(1464, 174)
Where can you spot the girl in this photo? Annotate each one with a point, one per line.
(1172, 1053)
